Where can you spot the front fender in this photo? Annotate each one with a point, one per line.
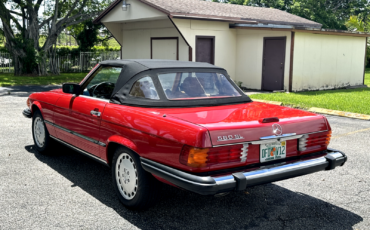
(38, 105)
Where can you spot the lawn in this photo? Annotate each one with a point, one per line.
(8, 79)
(349, 100)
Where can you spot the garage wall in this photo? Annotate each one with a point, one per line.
(136, 38)
(327, 61)
(136, 11)
(225, 40)
(249, 55)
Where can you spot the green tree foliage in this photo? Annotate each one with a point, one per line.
(332, 14)
(88, 35)
(22, 23)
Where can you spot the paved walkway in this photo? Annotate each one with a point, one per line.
(26, 90)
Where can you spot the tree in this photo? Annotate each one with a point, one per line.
(88, 34)
(330, 13)
(22, 26)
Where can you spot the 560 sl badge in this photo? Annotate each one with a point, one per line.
(229, 137)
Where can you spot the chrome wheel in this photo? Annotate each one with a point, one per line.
(126, 176)
(39, 132)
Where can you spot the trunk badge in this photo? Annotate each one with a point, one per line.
(229, 137)
(277, 130)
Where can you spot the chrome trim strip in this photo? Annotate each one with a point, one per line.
(267, 141)
(94, 98)
(281, 136)
(174, 176)
(77, 134)
(81, 151)
(279, 169)
(244, 153)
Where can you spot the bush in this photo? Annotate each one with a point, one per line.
(3, 49)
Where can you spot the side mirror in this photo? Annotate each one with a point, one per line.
(71, 88)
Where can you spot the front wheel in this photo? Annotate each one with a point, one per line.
(136, 188)
(40, 133)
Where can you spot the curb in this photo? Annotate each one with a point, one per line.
(326, 111)
(340, 113)
(269, 102)
(4, 91)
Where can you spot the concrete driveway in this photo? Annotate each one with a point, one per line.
(67, 190)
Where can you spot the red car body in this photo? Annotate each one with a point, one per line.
(160, 135)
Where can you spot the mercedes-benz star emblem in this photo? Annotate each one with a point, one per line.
(277, 130)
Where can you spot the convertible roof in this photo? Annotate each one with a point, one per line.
(158, 64)
(133, 69)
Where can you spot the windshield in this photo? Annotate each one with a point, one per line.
(196, 85)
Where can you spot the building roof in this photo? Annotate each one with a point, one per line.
(198, 9)
(147, 64)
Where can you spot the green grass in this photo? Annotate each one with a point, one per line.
(8, 79)
(349, 100)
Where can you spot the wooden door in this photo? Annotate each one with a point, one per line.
(165, 48)
(273, 63)
(205, 49)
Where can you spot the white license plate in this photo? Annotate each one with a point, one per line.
(272, 151)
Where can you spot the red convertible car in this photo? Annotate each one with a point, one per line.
(182, 123)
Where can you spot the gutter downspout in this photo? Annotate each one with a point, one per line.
(292, 39)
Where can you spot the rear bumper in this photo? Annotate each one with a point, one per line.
(208, 185)
(27, 113)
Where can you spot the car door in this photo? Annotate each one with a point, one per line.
(78, 118)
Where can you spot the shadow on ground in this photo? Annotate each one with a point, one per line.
(268, 206)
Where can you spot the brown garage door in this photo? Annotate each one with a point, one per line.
(205, 49)
(273, 63)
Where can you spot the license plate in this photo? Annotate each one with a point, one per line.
(272, 151)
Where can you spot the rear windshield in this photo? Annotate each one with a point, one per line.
(196, 85)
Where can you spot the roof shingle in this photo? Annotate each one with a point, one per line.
(206, 8)
(222, 11)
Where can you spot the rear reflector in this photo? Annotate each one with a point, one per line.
(268, 120)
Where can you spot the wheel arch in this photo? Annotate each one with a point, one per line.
(116, 141)
(36, 106)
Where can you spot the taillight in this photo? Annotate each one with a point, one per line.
(202, 157)
(314, 142)
(194, 157)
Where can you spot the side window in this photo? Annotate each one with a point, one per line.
(102, 83)
(144, 88)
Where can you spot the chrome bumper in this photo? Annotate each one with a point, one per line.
(27, 113)
(207, 185)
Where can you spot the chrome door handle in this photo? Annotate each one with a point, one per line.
(95, 113)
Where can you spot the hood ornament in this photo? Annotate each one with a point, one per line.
(277, 130)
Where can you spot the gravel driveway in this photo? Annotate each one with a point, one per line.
(68, 190)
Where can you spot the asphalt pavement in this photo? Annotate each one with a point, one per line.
(68, 190)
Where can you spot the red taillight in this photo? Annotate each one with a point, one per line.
(314, 142)
(225, 154)
(202, 157)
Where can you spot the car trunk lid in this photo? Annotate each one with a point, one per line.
(241, 123)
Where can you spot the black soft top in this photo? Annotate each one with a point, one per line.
(134, 69)
(148, 64)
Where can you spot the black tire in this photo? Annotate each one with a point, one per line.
(45, 145)
(138, 191)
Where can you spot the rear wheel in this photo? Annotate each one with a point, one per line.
(40, 133)
(136, 188)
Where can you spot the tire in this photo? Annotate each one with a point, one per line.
(136, 188)
(40, 134)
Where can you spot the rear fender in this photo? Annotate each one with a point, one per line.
(116, 139)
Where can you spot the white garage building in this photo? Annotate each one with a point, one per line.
(266, 49)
